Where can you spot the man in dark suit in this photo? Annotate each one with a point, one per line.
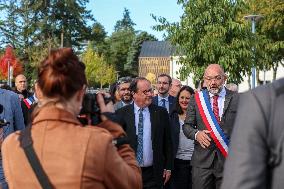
(209, 156)
(163, 98)
(148, 129)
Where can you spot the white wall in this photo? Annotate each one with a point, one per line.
(174, 68)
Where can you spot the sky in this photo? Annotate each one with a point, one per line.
(107, 12)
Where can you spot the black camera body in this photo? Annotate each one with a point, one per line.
(90, 109)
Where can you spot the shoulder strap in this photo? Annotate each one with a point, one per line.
(27, 144)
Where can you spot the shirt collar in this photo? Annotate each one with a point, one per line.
(124, 104)
(136, 108)
(221, 94)
(166, 98)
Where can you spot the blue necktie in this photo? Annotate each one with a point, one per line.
(164, 103)
(139, 154)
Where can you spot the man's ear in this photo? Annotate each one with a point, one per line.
(38, 92)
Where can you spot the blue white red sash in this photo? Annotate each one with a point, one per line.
(29, 101)
(211, 122)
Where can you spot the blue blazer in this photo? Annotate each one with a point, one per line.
(12, 111)
(172, 101)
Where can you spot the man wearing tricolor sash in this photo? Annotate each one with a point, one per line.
(209, 121)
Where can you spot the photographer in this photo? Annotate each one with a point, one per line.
(71, 156)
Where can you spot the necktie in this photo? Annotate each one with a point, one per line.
(164, 103)
(216, 108)
(139, 154)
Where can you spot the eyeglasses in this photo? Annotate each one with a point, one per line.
(216, 78)
(149, 91)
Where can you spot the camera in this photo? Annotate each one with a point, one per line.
(90, 109)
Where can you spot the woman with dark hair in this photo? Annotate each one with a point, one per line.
(182, 146)
(70, 155)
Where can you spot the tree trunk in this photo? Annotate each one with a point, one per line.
(275, 66)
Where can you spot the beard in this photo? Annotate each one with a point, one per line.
(127, 98)
(214, 89)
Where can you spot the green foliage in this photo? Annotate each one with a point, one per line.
(120, 42)
(97, 70)
(125, 23)
(209, 32)
(131, 65)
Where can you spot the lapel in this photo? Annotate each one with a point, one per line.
(131, 120)
(228, 98)
(171, 103)
(153, 119)
(155, 100)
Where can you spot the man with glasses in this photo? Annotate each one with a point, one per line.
(124, 93)
(148, 128)
(163, 98)
(209, 121)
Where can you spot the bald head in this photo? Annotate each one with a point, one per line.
(214, 67)
(21, 83)
(214, 78)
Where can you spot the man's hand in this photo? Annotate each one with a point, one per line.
(203, 138)
(166, 175)
(104, 107)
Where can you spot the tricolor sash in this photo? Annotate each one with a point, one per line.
(211, 122)
(29, 101)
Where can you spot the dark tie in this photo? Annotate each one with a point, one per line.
(139, 154)
(216, 108)
(164, 103)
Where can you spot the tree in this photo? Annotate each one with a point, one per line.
(271, 27)
(209, 32)
(131, 65)
(97, 70)
(125, 23)
(120, 42)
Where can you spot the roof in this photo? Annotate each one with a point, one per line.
(156, 49)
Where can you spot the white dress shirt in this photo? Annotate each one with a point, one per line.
(167, 103)
(147, 141)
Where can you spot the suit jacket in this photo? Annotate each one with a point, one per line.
(12, 113)
(72, 156)
(256, 152)
(160, 136)
(119, 105)
(172, 101)
(201, 157)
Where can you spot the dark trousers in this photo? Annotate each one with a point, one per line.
(207, 178)
(181, 175)
(148, 178)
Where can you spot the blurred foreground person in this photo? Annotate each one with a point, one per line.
(71, 156)
(182, 146)
(256, 151)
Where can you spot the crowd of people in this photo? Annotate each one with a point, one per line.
(176, 138)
